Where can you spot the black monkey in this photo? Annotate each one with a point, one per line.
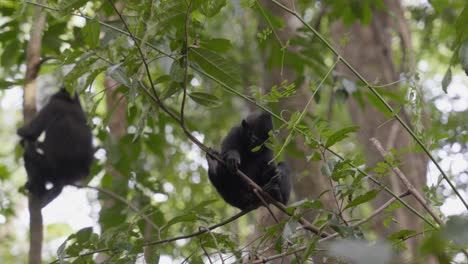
(236, 150)
(66, 154)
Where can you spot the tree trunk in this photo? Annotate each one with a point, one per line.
(369, 51)
(118, 127)
(33, 64)
(308, 181)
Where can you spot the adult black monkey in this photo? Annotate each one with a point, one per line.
(236, 150)
(66, 154)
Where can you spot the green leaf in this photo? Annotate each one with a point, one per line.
(368, 196)
(276, 93)
(205, 99)
(171, 89)
(447, 79)
(340, 135)
(162, 79)
(436, 245)
(81, 68)
(8, 36)
(217, 44)
(190, 217)
(212, 7)
(378, 104)
(176, 72)
(257, 148)
(463, 54)
(315, 156)
(328, 168)
(171, 13)
(91, 32)
(84, 234)
(67, 6)
(457, 230)
(311, 246)
(118, 74)
(7, 85)
(216, 66)
(93, 74)
(304, 204)
(359, 251)
(401, 235)
(460, 26)
(10, 53)
(272, 20)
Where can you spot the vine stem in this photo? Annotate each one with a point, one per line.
(186, 64)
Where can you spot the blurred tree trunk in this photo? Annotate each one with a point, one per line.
(308, 181)
(369, 50)
(118, 128)
(33, 64)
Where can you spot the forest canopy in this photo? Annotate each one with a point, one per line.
(368, 102)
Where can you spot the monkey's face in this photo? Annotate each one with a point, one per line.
(256, 127)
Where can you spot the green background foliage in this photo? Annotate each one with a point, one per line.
(164, 175)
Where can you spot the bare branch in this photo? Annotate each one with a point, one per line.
(215, 242)
(33, 64)
(408, 184)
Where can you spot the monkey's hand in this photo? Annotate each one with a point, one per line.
(273, 187)
(25, 142)
(212, 162)
(22, 142)
(233, 160)
(212, 152)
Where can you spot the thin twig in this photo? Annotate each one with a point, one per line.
(186, 63)
(338, 207)
(206, 253)
(215, 242)
(231, 219)
(266, 205)
(408, 184)
(369, 217)
(163, 241)
(334, 235)
(121, 199)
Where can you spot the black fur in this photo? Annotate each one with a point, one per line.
(236, 150)
(66, 154)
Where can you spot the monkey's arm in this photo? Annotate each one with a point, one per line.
(230, 149)
(279, 183)
(212, 163)
(50, 195)
(38, 124)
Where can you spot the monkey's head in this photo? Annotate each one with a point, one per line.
(256, 128)
(63, 94)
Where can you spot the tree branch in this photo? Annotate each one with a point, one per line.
(33, 65)
(408, 184)
(121, 199)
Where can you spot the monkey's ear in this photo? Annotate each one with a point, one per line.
(244, 124)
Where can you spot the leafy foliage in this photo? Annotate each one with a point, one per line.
(161, 177)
